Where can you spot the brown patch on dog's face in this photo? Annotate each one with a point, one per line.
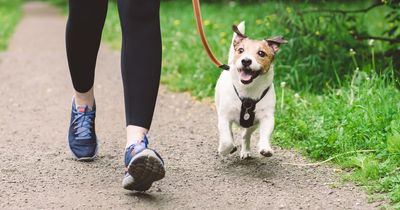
(258, 49)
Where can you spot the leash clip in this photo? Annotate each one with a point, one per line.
(224, 67)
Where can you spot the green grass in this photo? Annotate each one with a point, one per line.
(316, 54)
(10, 13)
(353, 110)
(358, 122)
(363, 114)
(334, 102)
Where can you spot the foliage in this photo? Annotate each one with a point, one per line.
(387, 30)
(10, 13)
(58, 2)
(362, 114)
(358, 105)
(342, 91)
(316, 56)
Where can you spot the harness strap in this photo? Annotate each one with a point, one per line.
(199, 23)
(247, 111)
(256, 101)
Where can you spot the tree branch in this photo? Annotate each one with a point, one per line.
(376, 4)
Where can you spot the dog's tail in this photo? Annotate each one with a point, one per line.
(242, 29)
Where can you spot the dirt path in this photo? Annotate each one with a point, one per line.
(37, 171)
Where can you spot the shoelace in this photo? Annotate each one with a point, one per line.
(83, 122)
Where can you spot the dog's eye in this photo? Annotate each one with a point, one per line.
(240, 50)
(261, 53)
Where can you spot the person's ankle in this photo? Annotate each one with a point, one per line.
(135, 135)
(136, 140)
(84, 99)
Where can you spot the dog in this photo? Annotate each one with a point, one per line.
(245, 94)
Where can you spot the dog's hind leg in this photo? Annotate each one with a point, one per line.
(266, 128)
(226, 145)
(245, 151)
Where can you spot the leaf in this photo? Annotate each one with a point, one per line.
(357, 161)
(371, 168)
(393, 30)
(393, 143)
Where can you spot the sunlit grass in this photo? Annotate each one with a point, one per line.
(312, 60)
(10, 13)
(361, 115)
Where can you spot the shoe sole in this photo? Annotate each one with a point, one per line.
(144, 169)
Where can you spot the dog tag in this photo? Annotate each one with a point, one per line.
(246, 116)
(247, 111)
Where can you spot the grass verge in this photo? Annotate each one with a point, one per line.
(355, 108)
(358, 122)
(316, 55)
(10, 13)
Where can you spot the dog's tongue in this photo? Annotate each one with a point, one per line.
(245, 76)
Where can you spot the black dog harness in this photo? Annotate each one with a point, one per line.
(247, 114)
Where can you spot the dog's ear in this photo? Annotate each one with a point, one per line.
(239, 35)
(241, 28)
(275, 42)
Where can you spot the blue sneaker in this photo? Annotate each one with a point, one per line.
(81, 135)
(143, 166)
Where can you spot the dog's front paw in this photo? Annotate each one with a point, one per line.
(266, 152)
(225, 149)
(245, 155)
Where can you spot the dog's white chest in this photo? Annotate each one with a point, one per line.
(232, 108)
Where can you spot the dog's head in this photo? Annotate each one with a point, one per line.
(252, 58)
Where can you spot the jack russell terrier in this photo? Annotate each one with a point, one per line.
(245, 94)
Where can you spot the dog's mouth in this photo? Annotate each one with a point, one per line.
(247, 75)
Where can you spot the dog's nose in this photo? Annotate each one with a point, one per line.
(246, 62)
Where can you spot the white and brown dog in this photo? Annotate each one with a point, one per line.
(245, 94)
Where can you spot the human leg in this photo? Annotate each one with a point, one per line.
(83, 35)
(141, 67)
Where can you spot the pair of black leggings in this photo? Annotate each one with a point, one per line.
(140, 57)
